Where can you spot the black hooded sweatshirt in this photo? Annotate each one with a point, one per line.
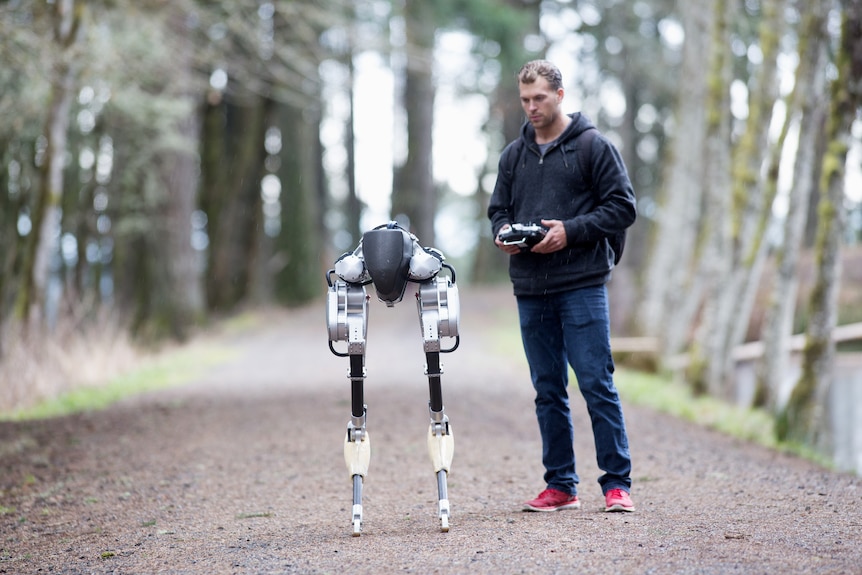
(552, 187)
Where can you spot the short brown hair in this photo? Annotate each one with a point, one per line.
(531, 71)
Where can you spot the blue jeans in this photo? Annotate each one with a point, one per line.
(573, 328)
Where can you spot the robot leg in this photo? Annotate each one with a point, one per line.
(347, 313)
(357, 442)
(441, 440)
(438, 312)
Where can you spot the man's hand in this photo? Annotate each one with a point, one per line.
(555, 239)
(510, 249)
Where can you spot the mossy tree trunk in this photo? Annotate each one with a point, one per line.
(712, 256)
(672, 246)
(750, 201)
(807, 105)
(805, 419)
(68, 17)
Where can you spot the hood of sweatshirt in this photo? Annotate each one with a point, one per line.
(578, 124)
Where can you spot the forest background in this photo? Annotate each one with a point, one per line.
(164, 164)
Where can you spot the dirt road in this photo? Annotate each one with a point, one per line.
(241, 472)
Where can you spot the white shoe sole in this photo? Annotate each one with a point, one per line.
(546, 510)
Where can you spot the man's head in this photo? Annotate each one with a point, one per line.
(540, 86)
(532, 71)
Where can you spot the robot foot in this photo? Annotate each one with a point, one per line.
(357, 505)
(357, 455)
(443, 504)
(441, 446)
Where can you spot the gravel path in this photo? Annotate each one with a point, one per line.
(242, 472)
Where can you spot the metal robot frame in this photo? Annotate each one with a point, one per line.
(390, 257)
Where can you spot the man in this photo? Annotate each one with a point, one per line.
(582, 197)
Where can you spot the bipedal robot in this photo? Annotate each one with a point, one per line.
(390, 257)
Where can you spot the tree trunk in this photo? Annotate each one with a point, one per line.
(10, 207)
(805, 418)
(680, 201)
(767, 218)
(181, 299)
(713, 245)
(296, 261)
(233, 156)
(750, 205)
(42, 246)
(632, 88)
(808, 99)
(414, 200)
(213, 193)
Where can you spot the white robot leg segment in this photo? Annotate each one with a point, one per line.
(347, 318)
(438, 306)
(441, 448)
(357, 455)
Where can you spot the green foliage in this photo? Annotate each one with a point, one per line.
(659, 393)
(754, 425)
(172, 370)
(795, 422)
(695, 371)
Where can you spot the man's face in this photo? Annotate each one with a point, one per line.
(540, 102)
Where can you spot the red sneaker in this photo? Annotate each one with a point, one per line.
(618, 500)
(552, 500)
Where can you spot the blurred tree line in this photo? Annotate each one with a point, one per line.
(171, 161)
